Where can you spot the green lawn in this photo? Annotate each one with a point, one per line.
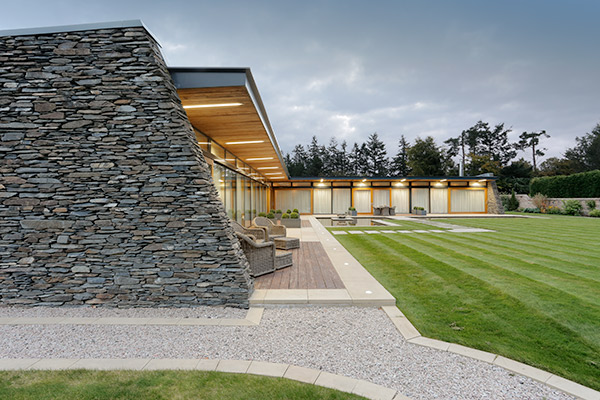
(82, 384)
(529, 291)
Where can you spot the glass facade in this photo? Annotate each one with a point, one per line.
(242, 197)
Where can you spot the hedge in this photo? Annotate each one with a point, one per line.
(585, 184)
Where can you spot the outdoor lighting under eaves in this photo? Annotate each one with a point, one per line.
(259, 159)
(403, 180)
(482, 180)
(246, 142)
(443, 180)
(267, 168)
(273, 173)
(213, 105)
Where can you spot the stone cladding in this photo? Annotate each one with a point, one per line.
(494, 202)
(105, 197)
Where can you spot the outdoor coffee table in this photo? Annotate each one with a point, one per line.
(286, 243)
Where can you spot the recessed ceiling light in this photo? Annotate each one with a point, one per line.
(482, 180)
(246, 142)
(213, 105)
(403, 180)
(273, 173)
(267, 168)
(259, 159)
(276, 177)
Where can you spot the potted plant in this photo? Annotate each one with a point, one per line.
(262, 214)
(352, 211)
(419, 211)
(291, 220)
(271, 216)
(288, 211)
(278, 214)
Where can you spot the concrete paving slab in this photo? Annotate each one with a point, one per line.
(373, 391)
(371, 232)
(267, 368)
(420, 231)
(207, 365)
(233, 366)
(337, 382)
(6, 320)
(473, 353)
(54, 363)
(135, 364)
(405, 327)
(339, 232)
(573, 388)
(164, 321)
(329, 296)
(433, 343)
(301, 374)
(7, 364)
(38, 320)
(258, 296)
(437, 231)
(388, 231)
(286, 296)
(233, 322)
(255, 314)
(392, 311)
(404, 231)
(522, 369)
(197, 322)
(356, 232)
(400, 396)
(171, 363)
(79, 321)
(122, 321)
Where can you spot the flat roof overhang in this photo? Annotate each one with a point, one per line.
(245, 122)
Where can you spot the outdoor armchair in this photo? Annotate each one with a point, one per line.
(263, 257)
(258, 233)
(273, 231)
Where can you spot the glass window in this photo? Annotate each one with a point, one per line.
(203, 141)
(217, 151)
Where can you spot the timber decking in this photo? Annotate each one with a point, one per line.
(312, 269)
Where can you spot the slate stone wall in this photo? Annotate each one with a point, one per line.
(105, 197)
(494, 202)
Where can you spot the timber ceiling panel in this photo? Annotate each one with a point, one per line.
(231, 124)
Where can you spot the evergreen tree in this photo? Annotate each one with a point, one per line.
(425, 158)
(297, 164)
(344, 160)
(532, 140)
(314, 166)
(376, 156)
(457, 147)
(488, 144)
(400, 161)
(358, 160)
(585, 156)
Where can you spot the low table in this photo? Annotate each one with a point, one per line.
(286, 243)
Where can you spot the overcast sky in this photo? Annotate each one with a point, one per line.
(350, 68)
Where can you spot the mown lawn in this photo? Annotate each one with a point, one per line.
(97, 385)
(529, 291)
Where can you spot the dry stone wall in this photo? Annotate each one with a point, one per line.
(105, 197)
(494, 201)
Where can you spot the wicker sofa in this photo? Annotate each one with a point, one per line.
(263, 257)
(273, 231)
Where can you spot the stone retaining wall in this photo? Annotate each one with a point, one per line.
(494, 203)
(105, 197)
(526, 202)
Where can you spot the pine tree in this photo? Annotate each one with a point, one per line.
(376, 156)
(400, 161)
(425, 158)
(316, 152)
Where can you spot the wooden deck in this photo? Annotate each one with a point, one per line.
(312, 269)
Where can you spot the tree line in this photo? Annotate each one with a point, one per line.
(480, 149)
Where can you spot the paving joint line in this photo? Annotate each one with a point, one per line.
(253, 318)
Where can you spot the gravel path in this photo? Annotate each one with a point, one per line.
(357, 342)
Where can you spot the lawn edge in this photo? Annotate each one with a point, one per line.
(412, 335)
(252, 367)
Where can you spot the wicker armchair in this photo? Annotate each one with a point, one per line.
(263, 257)
(258, 233)
(273, 231)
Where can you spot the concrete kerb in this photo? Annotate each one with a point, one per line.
(261, 368)
(253, 318)
(412, 335)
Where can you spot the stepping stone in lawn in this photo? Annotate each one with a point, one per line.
(388, 231)
(339, 232)
(404, 231)
(371, 232)
(420, 231)
(437, 231)
(356, 232)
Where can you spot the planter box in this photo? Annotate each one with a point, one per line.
(353, 213)
(291, 222)
(278, 215)
(420, 212)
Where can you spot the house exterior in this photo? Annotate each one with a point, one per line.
(119, 175)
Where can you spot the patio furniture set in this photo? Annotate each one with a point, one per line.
(265, 245)
(384, 210)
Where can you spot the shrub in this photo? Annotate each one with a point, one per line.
(288, 211)
(272, 211)
(591, 204)
(351, 209)
(572, 207)
(277, 211)
(540, 201)
(532, 210)
(262, 214)
(295, 210)
(418, 208)
(285, 216)
(553, 210)
(295, 215)
(595, 213)
(270, 215)
(513, 203)
(585, 184)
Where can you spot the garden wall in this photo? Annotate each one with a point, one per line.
(105, 198)
(526, 202)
